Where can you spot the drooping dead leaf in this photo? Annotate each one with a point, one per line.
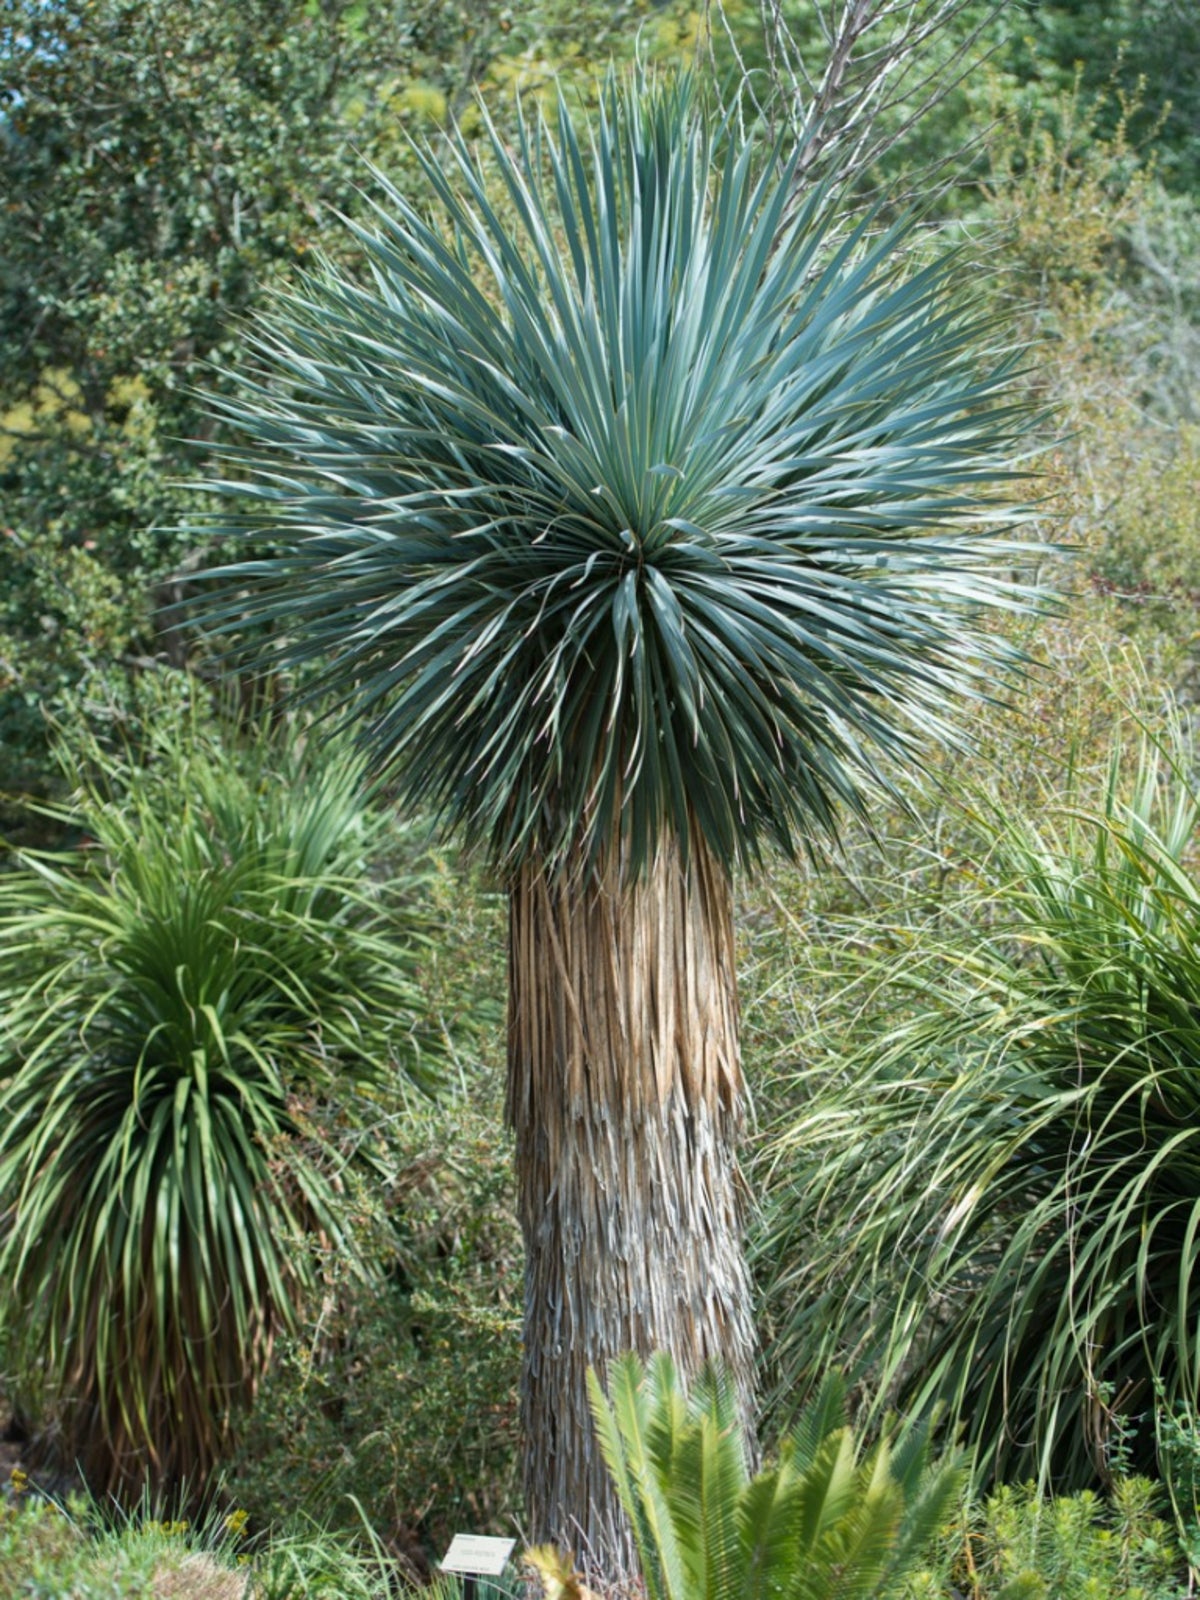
(556, 1569)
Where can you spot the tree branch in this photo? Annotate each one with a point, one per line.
(874, 82)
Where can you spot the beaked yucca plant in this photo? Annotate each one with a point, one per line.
(180, 996)
(630, 506)
(828, 1520)
(994, 1204)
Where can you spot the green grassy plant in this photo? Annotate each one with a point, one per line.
(990, 1201)
(80, 1551)
(184, 998)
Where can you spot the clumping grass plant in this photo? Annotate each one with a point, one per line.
(80, 1549)
(992, 1203)
(184, 997)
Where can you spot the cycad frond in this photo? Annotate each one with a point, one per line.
(824, 1523)
(636, 1429)
(618, 500)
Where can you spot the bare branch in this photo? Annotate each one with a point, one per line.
(872, 75)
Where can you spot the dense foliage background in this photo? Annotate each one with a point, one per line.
(166, 169)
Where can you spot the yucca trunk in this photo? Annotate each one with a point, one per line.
(624, 1092)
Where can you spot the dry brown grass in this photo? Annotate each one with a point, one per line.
(199, 1577)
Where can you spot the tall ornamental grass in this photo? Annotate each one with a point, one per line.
(992, 1205)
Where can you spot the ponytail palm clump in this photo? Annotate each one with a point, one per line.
(638, 513)
(177, 1001)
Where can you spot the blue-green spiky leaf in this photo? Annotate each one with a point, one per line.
(623, 495)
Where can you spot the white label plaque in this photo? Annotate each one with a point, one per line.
(477, 1556)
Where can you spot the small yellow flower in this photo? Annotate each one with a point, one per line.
(18, 1481)
(235, 1523)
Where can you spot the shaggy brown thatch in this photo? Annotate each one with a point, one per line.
(198, 1577)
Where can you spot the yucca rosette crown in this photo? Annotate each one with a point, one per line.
(624, 494)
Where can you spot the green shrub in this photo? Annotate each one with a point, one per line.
(401, 1389)
(79, 1551)
(1080, 1547)
(36, 1541)
(1150, 553)
(200, 1003)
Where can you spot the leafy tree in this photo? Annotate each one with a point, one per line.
(1147, 49)
(161, 162)
(629, 517)
(163, 165)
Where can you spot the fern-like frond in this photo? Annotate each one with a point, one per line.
(823, 1523)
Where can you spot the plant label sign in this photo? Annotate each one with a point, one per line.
(476, 1556)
